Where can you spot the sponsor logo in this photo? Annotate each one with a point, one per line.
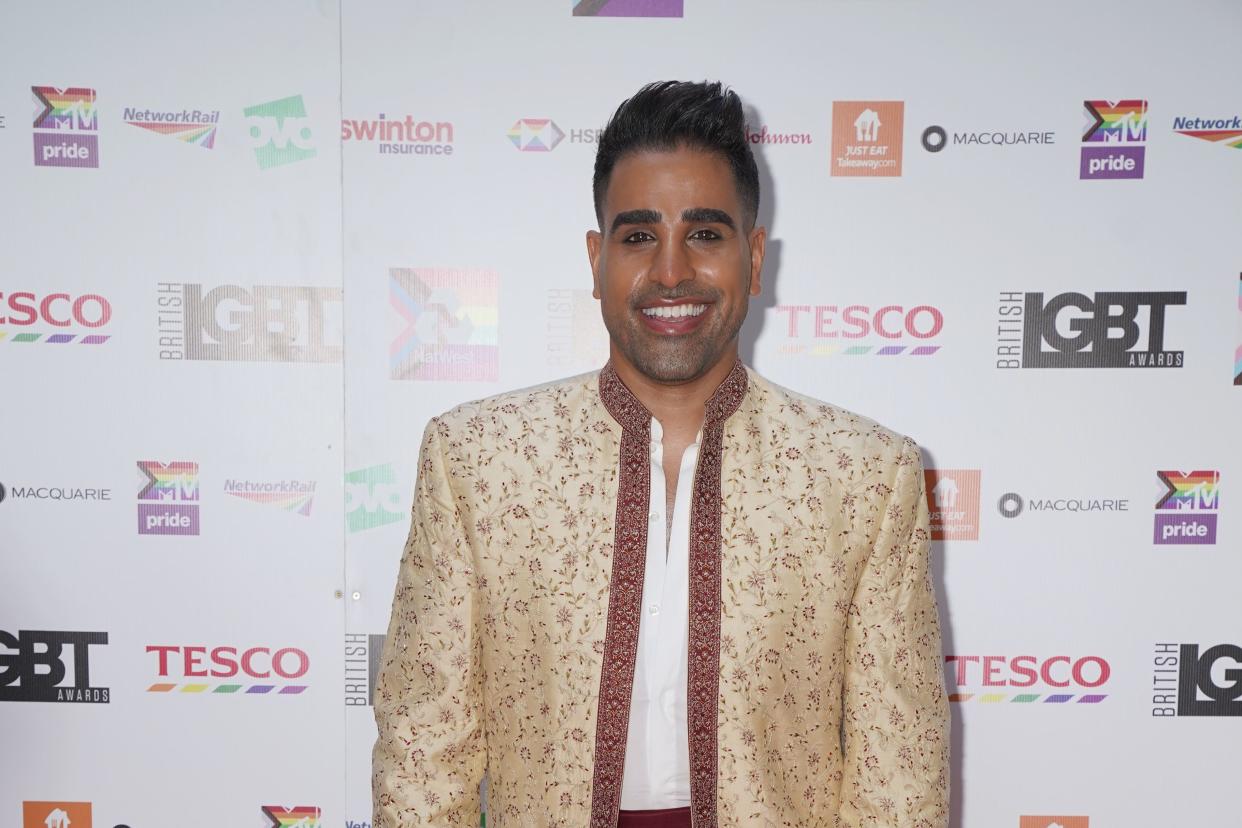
(535, 134)
(953, 503)
(49, 666)
(264, 323)
(1226, 131)
(53, 493)
(168, 499)
(56, 815)
(866, 138)
(252, 671)
(279, 132)
(576, 333)
(71, 318)
(372, 498)
(290, 495)
(764, 135)
(1191, 680)
(1012, 504)
(1186, 510)
(628, 8)
(362, 664)
(935, 138)
(892, 330)
(66, 127)
(978, 675)
(190, 126)
(1237, 354)
(350, 823)
(401, 137)
(3, 124)
(297, 816)
(1053, 822)
(1073, 330)
(1113, 139)
(445, 322)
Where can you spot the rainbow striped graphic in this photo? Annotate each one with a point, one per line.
(860, 350)
(168, 482)
(55, 339)
(203, 135)
(1116, 122)
(1199, 490)
(447, 324)
(299, 816)
(65, 109)
(227, 689)
(1028, 698)
(288, 495)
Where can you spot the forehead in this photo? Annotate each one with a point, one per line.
(682, 177)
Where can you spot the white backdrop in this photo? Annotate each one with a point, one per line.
(301, 229)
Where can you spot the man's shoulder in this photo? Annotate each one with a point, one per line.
(523, 402)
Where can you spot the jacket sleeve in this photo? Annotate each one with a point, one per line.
(895, 712)
(430, 756)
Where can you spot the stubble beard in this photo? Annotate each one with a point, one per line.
(674, 359)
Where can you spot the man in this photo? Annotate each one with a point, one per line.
(668, 592)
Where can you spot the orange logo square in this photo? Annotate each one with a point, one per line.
(56, 815)
(953, 504)
(866, 137)
(1053, 822)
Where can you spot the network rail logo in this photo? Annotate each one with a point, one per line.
(66, 127)
(1226, 131)
(189, 126)
(295, 496)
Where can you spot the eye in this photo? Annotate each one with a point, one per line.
(705, 234)
(638, 237)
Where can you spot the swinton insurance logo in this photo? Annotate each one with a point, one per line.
(867, 138)
(189, 126)
(953, 503)
(445, 324)
(263, 323)
(628, 8)
(295, 496)
(168, 498)
(66, 127)
(279, 132)
(400, 136)
(576, 334)
(249, 671)
(861, 330)
(291, 816)
(49, 666)
(1226, 131)
(1196, 680)
(1073, 330)
(57, 318)
(1186, 510)
(372, 498)
(1027, 679)
(362, 665)
(1114, 139)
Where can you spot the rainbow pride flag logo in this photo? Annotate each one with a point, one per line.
(1198, 490)
(446, 324)
(299, 816)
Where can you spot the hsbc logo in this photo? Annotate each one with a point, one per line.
(858, 330)
(535, 134)
(64, 317)
(991, 678)
(204, 670)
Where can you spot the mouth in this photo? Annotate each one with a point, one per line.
(671, 320)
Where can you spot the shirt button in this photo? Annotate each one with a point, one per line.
(655, 517)
(654, 609)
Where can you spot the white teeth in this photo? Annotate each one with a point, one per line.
(675, 311)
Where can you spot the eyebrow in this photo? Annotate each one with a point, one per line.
(702, 214)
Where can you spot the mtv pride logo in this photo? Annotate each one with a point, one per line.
(953, 503)
(372, 498)
(535, 134)
(66, 126)
(280, 132)
(1186, 510)
(1113, 139)
(296, 816)
(446, 324)
(1053, 822)
(628, 8)
(168, 499)
(867, 137)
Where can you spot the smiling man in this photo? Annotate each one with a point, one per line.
(669, 592)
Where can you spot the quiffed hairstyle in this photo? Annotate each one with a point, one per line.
(666, 115)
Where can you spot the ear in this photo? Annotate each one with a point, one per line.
(758, 238)
(595, 243)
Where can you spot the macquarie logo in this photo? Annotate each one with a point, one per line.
(372, 498)
(168, 498)
(227, 670)
(279, 132)
(1196, 680)
(66, 127)
(953, 503)
(1027, 679)
(1187, 508)
(189, 126)
(1072, 330)
(49, 666)
(628, 8)
(69, 493)
(1113, 140)
(295, 496)
(291, 816)
(263, 323)
(362, 665)
(576, 337)
(54, 318)
(445, 324)
(867, 137)
(935, 138)
(1012, 504)
(1226, 131)
(861, 330)
(400, 136)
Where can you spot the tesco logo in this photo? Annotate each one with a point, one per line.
(1028, 670)
(227, 662)
(60, 310)
(860, 321)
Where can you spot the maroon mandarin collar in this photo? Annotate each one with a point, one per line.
(632, 415)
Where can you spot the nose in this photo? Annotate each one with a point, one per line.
(672, 265)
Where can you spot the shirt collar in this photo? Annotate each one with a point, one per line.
(632, 415)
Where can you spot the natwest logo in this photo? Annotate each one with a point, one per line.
(49, 666)
(827, 330)
(270, 669)
(1072, 330)
(67, 317)
(982, 676)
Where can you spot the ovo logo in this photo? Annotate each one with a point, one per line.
(280, 132)
(372, 498)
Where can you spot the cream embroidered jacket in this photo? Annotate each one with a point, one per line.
(815, 687)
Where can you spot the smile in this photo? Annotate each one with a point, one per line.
(674, 311)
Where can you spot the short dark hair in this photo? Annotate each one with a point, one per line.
(666, 115)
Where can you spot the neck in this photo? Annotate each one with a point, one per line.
(679, 406)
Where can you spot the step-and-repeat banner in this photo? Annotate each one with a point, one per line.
(248, 249)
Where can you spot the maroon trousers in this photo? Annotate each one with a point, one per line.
(660, 818)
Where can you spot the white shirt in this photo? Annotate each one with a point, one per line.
(657, 753)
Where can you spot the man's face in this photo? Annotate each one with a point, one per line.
(674, 264)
